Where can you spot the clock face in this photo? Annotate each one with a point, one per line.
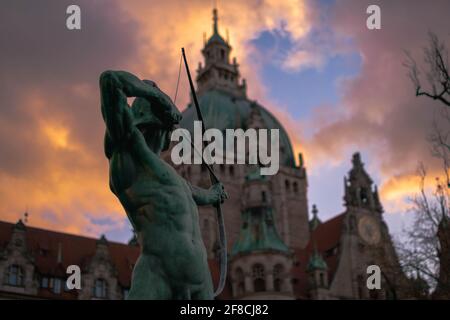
(369, 230)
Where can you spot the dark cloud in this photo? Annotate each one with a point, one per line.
(41, 58)
(51, 131)
(380, 113)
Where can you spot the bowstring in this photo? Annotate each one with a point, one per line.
(178, 82)
(182, 132)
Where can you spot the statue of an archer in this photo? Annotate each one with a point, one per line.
(160, 204)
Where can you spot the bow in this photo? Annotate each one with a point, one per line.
(214, 180)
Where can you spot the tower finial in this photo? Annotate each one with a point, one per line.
(215, 19)
(314, 210)
(25, 215)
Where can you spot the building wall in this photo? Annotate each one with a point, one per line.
(349, 280)
(29, 283)
(15, 255)
(290, 204)
(275, 276)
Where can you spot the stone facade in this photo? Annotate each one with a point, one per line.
(33, 264)
(17, 270)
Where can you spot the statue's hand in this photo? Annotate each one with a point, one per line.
(169, 110)
(172, 114)
(218, 193)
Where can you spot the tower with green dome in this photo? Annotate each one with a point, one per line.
(317, 270)
(273, 232)
(260, 261)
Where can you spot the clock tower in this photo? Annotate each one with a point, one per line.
(359, 192)
(365, 241)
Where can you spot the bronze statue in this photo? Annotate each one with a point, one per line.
(160, 204)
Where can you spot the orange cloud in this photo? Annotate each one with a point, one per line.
(399, 187)
(54, 158)
(53, 132)
(67, 185)
(166, 26)
(57, 136)
(397, 191)
(162, 39)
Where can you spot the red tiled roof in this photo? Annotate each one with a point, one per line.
(43, 247)
(325, 238)
(214, 267)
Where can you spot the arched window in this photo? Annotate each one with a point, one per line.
(44, 282)
(240, 280)
(360, 283)
(321, 279)
(125, 292)
(259, 279)
(14, 276)
(100, 288)
(287, 184)
(56, 287)
(263, 197)
(295, 185)
(231, 169)
(277, 277)
(364, 196)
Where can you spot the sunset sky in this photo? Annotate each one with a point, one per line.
(336, 86)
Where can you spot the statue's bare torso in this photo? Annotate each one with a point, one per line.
(160, 204)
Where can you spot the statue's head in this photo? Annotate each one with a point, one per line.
(154, 125)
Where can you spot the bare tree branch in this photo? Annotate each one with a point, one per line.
(437, 73)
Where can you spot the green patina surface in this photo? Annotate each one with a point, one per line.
(314, 223)
(223, 111)
(316, 262)
(216, 38)
(161, 205)
(255, 175)
(258, 232)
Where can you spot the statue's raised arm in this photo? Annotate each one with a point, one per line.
(120, 119)
(160, 204)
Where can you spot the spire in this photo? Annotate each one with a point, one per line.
(358, 186)
(301, 162)
(314, 210)
(357, 163)
(315, 221)
(20, 225)
(376, 199)
(102, 240)
(216, 37)
(25, 216)
(316, 261)
(215, 21)
(218, 73)
(258, 232)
